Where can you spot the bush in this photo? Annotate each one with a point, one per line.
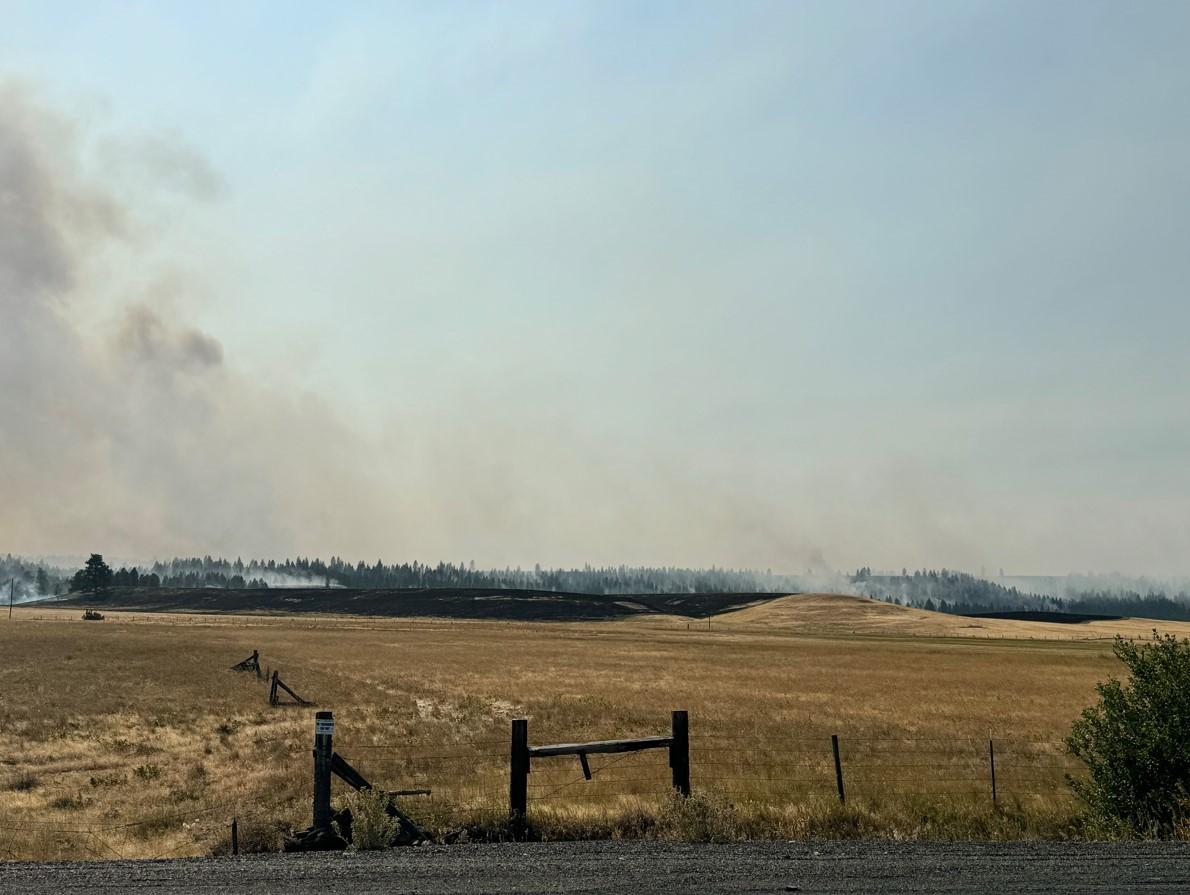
(25, 781)
(371, 825)
(69, 802)
(1136, 741)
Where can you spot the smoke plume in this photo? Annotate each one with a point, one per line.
(122, 426)
(127, 429)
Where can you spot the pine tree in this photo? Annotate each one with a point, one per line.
(95, 576)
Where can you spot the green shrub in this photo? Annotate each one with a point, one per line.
(1136, 742)
(371, 825)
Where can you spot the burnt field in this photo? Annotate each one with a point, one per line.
(1060, 618)
(461, 603)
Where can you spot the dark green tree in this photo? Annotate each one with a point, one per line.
(95, 576)
(1136, 741)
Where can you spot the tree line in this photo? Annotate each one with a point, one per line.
(30, 580)
(942, 590)
(963, 594)
(210, 571)
(219, 572)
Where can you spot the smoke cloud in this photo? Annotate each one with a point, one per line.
(123, 428)
(145, 338)
(127, 429)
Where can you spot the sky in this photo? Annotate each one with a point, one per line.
(778, 285)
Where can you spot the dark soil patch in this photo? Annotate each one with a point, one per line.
(1061, 618)
(472, 603)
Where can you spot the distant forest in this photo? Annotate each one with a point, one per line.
(336, 572)
(943, 591)
(963, 594)
(236, 574)
(29, 580)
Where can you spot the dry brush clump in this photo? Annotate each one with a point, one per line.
(372, 827)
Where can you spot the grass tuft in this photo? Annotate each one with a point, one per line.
(24, 781)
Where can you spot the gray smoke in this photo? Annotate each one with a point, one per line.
(145, 338)
(128, 430)
(166, 160)
(123, 429)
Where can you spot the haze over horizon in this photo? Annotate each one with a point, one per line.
(766, 285)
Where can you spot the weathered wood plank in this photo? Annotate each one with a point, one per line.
(602, 746)
(679, 752)
(324, 748)
(353, 778)
(518, 775)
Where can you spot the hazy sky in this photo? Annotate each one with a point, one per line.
(776, 285)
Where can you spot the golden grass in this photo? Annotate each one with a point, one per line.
(131, 737)
(836, 613)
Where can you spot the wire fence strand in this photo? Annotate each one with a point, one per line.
(466, 779)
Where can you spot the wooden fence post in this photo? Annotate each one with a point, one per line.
(992, 764)
(518, 774)
(324, 734)
(679, 752)
(235, 835)
(838, 767)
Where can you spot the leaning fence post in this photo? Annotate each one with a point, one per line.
(679, 752)
(324, 733)
(838, 767)
(992, 764)
(518, 773)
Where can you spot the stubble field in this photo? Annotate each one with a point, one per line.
(131, 737)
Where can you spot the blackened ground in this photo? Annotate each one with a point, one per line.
(628, 868)
(1061, 618)
(457, 602)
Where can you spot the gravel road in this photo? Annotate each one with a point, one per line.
(635, 867)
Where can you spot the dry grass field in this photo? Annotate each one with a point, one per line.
(837, 614)
(131, 737)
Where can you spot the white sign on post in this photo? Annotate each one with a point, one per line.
(324, 727)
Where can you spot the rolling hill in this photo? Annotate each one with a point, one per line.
(823, 613)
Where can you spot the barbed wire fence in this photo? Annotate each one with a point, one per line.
(467, 781)
(96, 839)
(749, 769)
